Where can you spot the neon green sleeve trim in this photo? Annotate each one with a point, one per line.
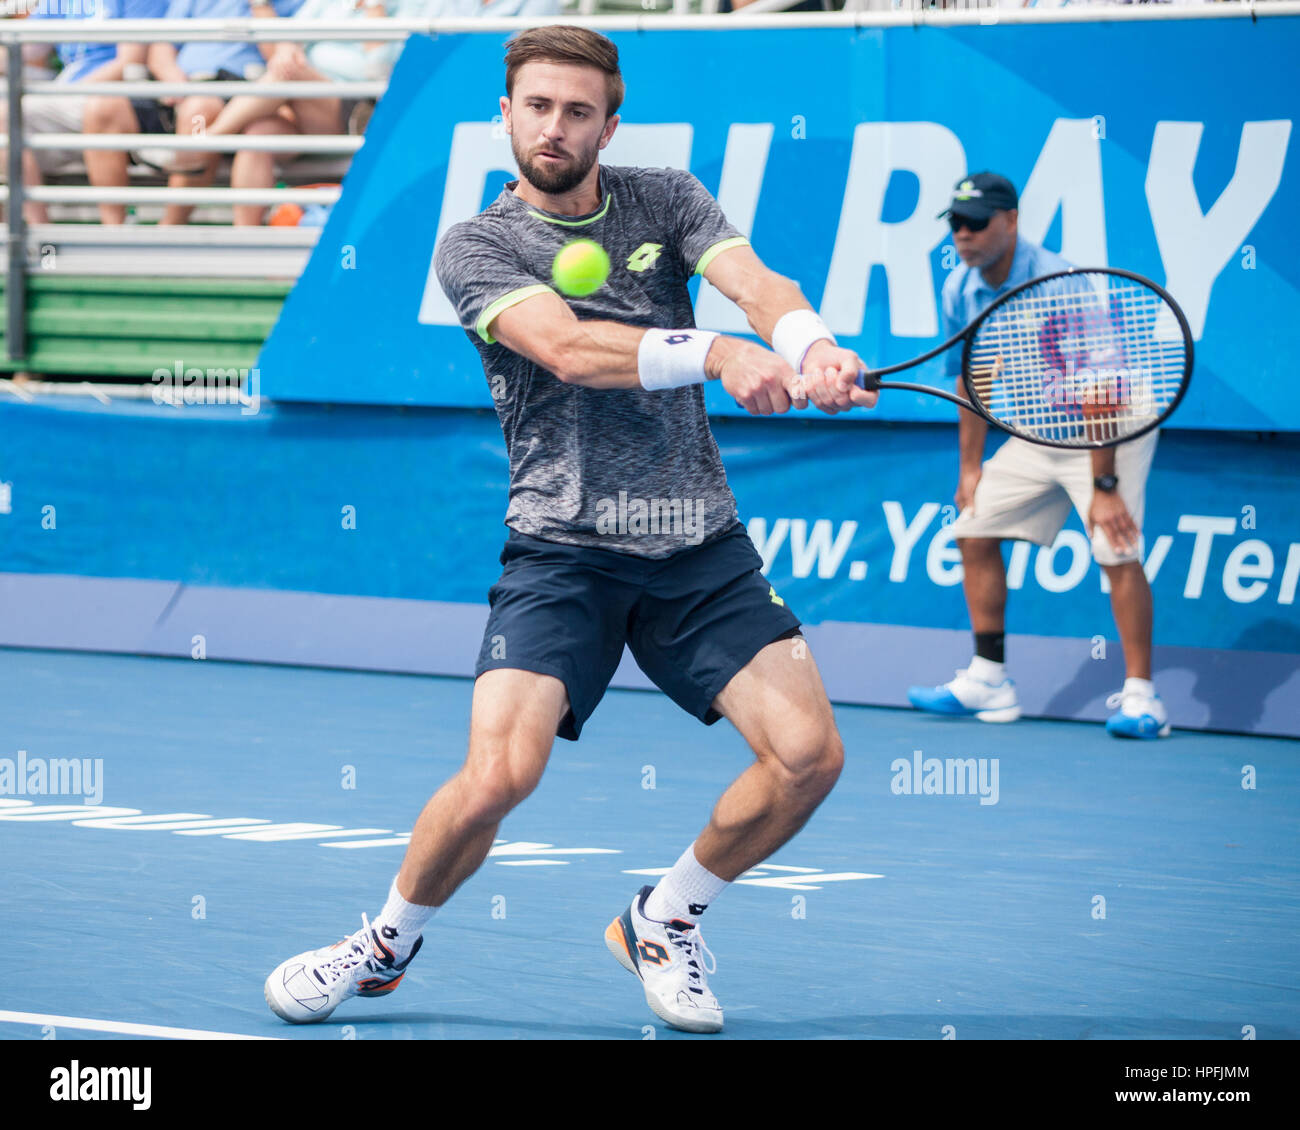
(504, 303)
(717, 249)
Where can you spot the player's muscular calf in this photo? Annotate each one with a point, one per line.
(512, 727)
(779, 705)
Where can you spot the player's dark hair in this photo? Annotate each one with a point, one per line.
(563, 43)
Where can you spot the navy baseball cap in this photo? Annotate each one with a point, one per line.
(979, 195)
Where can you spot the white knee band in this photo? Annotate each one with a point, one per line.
(672, 358)
(795, 333)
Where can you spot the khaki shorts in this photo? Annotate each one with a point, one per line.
(1026, 491)
(52, 113)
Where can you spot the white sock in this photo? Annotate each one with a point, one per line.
(400, 922)
(986, 670)
(685, 892)
(1139, 686)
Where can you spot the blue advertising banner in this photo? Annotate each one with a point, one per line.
(837, 171)
(368, 537)
(851, 525)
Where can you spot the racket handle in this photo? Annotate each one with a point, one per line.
(868, 380)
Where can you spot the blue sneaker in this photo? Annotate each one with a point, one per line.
(969, 696)
(1141, 715)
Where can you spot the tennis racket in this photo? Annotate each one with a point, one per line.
(1082, 358)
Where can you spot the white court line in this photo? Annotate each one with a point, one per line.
(121, 1027)
(532, 862)
(394, 841)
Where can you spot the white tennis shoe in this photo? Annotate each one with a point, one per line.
(669, 957)
(309, 987)
(968, 695)
(1140, 715)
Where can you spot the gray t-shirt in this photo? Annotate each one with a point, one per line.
(622, 469)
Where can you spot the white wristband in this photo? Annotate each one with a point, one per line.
(794, 335)
(672, 358)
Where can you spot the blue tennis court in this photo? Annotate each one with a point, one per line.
(1086, 888)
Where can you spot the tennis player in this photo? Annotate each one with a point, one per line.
(622, 527)
(1026, 490)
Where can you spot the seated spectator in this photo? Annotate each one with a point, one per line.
(260, 116)
(82, 62)
(328, 60)
(217, 61)
(337, 61)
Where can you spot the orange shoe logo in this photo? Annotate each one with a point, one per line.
(653, 952)
(377, 986)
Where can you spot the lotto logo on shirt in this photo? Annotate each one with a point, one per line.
(644, 257)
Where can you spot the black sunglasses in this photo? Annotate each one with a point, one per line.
(959, 222)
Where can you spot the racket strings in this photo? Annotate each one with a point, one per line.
(1078, 359)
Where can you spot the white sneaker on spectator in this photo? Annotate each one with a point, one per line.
(981, 691)
(1141, 713)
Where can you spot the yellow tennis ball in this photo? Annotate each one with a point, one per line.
(580, 268)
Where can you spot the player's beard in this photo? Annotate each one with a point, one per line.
(554, 181)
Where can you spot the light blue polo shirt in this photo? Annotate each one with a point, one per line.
(197, 58)
(966, 295)
(79, 59)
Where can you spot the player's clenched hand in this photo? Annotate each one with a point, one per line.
(830, 379)
(756, 378)
(1109, 512)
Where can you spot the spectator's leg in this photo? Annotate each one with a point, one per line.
(243, 111)
(254, 168)
(33, 212)
(106, 168)
(318, 115)
(193, 116)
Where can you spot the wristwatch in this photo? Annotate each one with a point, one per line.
(1106, 482)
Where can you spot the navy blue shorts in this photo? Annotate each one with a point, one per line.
(691, 620)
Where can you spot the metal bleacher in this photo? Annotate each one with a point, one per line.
(208, 247)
